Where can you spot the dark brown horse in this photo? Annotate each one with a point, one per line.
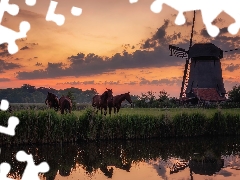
(117, 101)
(101, 101)
(65, 103)
(52, 101)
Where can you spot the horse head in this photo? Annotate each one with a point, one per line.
(52, 100)
(106, 94)
(109, 93)
(128, 98)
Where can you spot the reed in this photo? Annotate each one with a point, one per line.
(48, 126)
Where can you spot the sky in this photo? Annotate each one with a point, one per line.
(112, 44)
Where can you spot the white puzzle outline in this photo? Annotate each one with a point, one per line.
(231, 7)
(209, 14)
(9, 36)
(31, 171)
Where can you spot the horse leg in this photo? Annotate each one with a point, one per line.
(62, 110)
(110, 110)
(118, 108)
(105, 110)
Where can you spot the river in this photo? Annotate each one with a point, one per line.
(188, 158)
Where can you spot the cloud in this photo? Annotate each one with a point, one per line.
(131, 83)
(145, 72)
(29, 14)
(231, 67)
(32, 44)
(225, 173)
(77, 83)
(218, 21)
(91, 64)
(38, 64)
(4, 79)
(160, 82)
(153, 53)
(205, 34)
(24, 48)
(228, 84)
(112, 82)
(7, 66)
(4, 50)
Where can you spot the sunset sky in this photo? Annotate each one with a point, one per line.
(112, 44)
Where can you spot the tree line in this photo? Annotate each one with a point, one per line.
(30, 94)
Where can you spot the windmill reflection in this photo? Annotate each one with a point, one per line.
(172, 156)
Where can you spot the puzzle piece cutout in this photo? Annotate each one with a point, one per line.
(12, 121)
(30, 2)
(4, 105)
(133, 1)
(10, 130)
(4, 170)
(210, 10)
(7, 35)
(31, 171)
(59, 19)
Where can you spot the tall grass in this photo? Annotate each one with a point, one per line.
(50, 127)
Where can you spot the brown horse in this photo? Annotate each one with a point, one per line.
(117, 101)
(52, 101)
(65, 103)
(101, 101)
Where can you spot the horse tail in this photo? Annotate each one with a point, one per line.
(93, 101)
(67, 104)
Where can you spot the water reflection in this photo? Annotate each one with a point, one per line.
(196, 158)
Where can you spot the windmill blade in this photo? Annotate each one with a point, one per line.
(190, 45)
(187, 59)
(177, 51)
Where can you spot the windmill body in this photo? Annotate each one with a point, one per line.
(202, 78)
(205, 78)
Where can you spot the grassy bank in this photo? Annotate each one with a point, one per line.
(50, 127)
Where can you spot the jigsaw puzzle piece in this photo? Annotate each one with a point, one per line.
(12, 9)
(30, 2)
(208, 16)
(76, 11)
(4, 105)
(31, 171)
(10, 130)
(180, 6)
(4, 170)
(133, 1)
(9, 36)
(51, 16)
(232, 8)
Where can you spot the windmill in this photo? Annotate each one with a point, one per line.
(202, 78)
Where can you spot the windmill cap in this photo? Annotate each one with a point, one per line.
(205, 50)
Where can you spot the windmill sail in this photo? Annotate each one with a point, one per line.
(179, 52)
(184, 82)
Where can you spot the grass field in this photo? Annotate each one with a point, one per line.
(48, 126)
(170, 111)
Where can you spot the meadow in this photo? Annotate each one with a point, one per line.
(47, 126)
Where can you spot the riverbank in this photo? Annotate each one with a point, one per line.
(47, 126)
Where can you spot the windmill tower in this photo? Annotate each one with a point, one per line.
(202, 78)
